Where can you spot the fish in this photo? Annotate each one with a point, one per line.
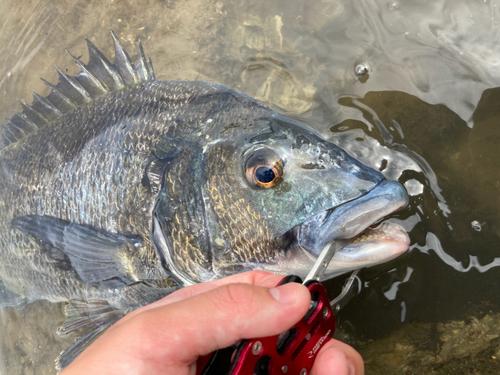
(117, 189)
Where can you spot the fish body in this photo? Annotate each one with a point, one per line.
(118, 189)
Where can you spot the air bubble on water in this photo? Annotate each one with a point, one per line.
(476, 225)
(393, 5)
(414, 187)
(361, 69)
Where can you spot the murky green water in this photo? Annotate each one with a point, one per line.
(427, 112)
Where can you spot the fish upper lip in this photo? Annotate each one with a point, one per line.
(351, 218)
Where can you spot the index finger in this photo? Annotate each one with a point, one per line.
(258, 278)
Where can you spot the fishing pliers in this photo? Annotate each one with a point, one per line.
(293, 352)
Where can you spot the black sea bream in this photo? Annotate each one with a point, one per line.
(117, 188)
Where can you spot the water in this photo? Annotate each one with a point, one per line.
(410, 87)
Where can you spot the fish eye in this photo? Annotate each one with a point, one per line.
(264, 174)
(263, 168)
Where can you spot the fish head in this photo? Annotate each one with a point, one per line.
(276, 193)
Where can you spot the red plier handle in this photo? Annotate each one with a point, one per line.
(291, 353)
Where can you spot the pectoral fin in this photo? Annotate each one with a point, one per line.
(93, 253)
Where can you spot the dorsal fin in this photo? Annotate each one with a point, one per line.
(97, 78)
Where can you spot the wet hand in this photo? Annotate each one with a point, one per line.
(168, 336)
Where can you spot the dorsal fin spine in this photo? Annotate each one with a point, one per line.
(113, 73)
(37, 117)
(94, 80)
(27, 122)
(8, 136)
(97, 78)
(61, 95)
(123, 62)
(76, 86)
(141, 66)
(47, 104)
(17, 127)
(152, 71)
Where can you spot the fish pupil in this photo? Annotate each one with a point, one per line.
(264, 174)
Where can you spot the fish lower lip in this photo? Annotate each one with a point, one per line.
(377, 244)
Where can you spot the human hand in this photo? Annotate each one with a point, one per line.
(168, 336)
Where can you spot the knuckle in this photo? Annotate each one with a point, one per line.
(256, 275)
(235, 298)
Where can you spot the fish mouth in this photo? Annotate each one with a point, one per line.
(358, 222)
(375, 245)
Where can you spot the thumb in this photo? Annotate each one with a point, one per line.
(187, 329)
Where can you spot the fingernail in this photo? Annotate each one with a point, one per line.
(285, 293)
